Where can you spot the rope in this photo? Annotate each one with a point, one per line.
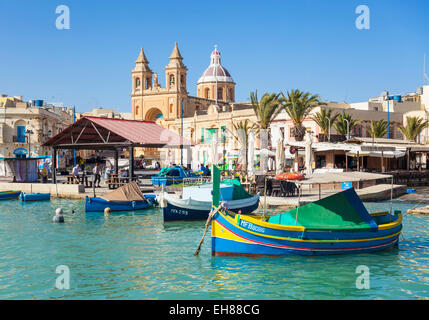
(211, 215)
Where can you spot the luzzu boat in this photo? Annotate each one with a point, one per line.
(334, 225)
(34, 196)
(5, 195)
(126, 198)
(173, 175)
(196, 201)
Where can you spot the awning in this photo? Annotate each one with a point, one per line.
(338, 177)
(387, 154)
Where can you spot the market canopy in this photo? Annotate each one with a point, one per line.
(105, 133)
(338, 177)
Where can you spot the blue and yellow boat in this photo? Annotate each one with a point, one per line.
(6, 195)
(337, 224)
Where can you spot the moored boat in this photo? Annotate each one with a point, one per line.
(126, 198)
(12, 194)
(196, 201)
(172, 176)
(334, 225)
(34, 196)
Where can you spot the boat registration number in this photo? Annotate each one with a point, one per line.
(181, 212)
(251, 226)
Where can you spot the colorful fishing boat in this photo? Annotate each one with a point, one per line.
(5, 195)
(34, 196)
(334, 225)
(196, 201)
(126, 198)
(173, 175)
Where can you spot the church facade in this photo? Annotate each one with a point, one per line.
(213, 109)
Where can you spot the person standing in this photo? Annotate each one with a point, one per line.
(97, 176)
(75, 174)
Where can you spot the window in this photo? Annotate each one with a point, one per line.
(147, 83)
(137, 109)
(182, 81)
(220, 93)
(137, 83)
(171, 108)
(172, 80)
(202, 135)
(20, 133)
(207, 95)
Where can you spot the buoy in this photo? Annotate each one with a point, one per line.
(58, 216)
(107, 211)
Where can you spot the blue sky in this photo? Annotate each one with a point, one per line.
(266, 45)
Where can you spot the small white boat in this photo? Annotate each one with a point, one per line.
(196, 201)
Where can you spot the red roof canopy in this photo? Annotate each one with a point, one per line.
(97, 133)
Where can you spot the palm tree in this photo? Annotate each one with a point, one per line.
(345, 124)
(378, 129)
(298, 105)
(413, 128)
(241, 134)
(265, 109)
(325, 120)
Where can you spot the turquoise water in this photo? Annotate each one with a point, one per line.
(137, 256)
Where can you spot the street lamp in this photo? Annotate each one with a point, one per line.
(28, 133)
(348, 130)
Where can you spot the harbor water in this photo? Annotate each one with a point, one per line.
(136, 255)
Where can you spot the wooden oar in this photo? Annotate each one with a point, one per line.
(211, 215)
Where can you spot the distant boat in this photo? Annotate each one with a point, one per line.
(172, 176)
(126, 198)
(5, 195)
(196, 201)
(34, 196)
(334, 225)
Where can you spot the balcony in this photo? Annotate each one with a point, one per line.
(19, 139)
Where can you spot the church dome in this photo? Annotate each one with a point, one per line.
(215, 72)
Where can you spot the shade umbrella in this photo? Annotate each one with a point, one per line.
(308, 153)
(280, 156)
(251, 154)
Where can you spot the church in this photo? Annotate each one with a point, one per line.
(213, 109)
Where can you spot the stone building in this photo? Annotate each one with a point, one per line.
(213, 112)
(24, 127)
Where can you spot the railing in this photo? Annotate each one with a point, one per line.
(196, 181)
(19, 139)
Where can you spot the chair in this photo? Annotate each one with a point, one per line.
(276, 189)
(260, 185)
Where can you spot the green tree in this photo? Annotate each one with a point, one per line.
(298, 105)
(241, 134)
(378, 129)
(325, 119)
(265, 109)
(345, 124)
(414, 126)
